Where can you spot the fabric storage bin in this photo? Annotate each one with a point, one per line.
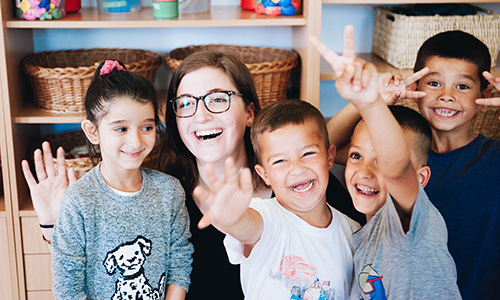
(397, 37)
(271, 68)
(60, 79)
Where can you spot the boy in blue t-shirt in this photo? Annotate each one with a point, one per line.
(465, 166)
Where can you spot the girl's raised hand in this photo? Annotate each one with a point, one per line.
(393, 87)
(224, 202)
(46, 193)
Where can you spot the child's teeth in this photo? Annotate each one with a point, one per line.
(445, 112)
(307, 187)
(366, 190)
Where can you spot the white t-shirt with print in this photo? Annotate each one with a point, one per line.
(294, 260)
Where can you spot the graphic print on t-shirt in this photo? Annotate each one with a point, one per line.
(371, 284)
(129, 259)
(302, 280)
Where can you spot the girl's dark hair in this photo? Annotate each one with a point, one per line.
(115, 84)
(459, 45)
(175, 158)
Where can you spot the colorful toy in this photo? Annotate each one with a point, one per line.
(277, 7)
(40, 9)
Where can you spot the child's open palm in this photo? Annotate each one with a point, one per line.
(226, 201)
(46, 193)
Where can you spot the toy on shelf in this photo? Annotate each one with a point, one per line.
(40, 9)
(277, 7)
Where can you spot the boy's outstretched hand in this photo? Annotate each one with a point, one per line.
(46, 194)
(392, 87)
(225, 202)
(357, 79)
(337, 62)
(496, 83)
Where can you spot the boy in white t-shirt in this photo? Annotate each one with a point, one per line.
(293, 246)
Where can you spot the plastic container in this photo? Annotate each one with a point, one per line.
(73, 5)
(40, 10)
(248, 4)
(119, 6)
(194, 6)
(165, 9)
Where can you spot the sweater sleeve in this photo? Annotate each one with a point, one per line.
(181, 249)
(68, 252)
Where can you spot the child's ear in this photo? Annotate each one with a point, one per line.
(423, 175)
(262, 173)
(90, 131)
(331, 155)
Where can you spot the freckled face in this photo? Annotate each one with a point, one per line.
(212, 138)
(452, 86)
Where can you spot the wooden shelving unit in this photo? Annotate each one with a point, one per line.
(29, 270)
(23, 257)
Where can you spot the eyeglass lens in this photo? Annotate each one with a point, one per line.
(215, 103)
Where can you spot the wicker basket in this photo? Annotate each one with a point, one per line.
(270, 67)
(60, 79)
(486, 122)
(397, 37)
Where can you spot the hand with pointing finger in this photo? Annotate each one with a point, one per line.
(494, 82)
(393, 88)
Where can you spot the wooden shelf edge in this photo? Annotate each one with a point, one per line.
(326, 72)
(34, 115)
(218, 16)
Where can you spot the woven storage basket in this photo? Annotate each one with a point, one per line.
(60, 79)
(486, 122)
(270, 67)
(397, 37)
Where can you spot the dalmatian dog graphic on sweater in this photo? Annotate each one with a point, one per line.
(128, 259)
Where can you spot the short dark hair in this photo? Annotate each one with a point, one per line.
(286, 112)
(413, 121)
(456, 44)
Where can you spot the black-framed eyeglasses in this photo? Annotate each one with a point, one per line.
(215, 102)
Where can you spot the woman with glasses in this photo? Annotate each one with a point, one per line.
(212, 104)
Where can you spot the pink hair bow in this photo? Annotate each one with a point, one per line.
(109, 65)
